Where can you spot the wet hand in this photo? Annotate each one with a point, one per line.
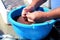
(26, 10)
(37, 16)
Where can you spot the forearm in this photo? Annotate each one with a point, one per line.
(54, 14)
(37, 3)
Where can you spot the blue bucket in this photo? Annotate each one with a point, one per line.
(32, 31)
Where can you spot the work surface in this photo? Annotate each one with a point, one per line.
(6, 29)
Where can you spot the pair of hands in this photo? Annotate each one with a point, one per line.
(36, 16)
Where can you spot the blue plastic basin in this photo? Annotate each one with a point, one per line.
(33, 31)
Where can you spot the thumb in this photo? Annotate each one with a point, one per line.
(29, 17)
(24, 12)
(30, 20)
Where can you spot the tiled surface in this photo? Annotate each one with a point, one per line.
(12, 3)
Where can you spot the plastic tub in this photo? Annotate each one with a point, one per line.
(33, 31)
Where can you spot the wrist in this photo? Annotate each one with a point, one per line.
(30, 8)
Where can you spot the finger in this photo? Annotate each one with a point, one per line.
(28, 15)
(24, 13)
(30, 20)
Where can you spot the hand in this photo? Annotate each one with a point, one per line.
(37, 16)
(26, 10)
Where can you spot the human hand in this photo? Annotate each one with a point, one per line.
(26, 10)
(37, 16)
